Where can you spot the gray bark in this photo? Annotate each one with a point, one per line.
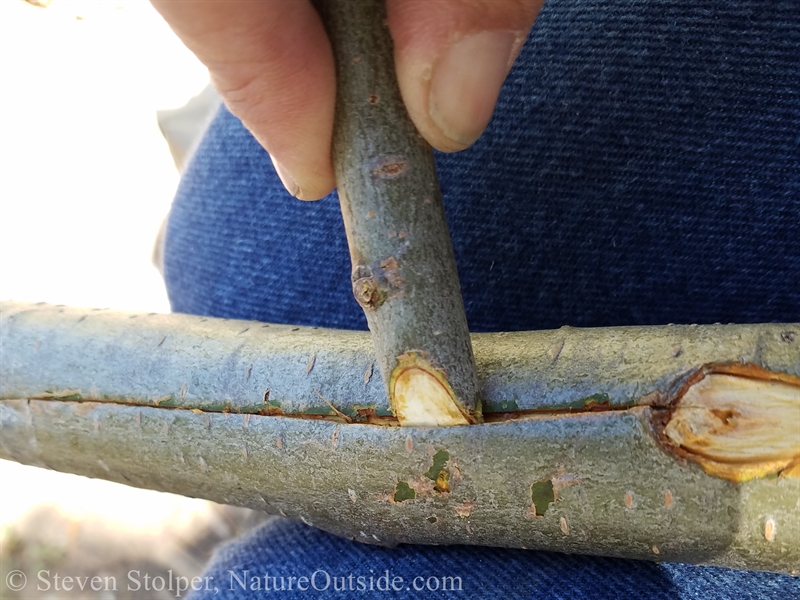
(573, 458)
(404, 271)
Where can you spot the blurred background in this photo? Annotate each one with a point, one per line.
(87, 88)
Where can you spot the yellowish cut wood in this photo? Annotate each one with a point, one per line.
(421, 395)
(739, 428)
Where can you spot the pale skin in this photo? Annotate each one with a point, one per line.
(272, 63)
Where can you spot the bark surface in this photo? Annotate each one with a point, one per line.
(404, 272)
(582, 451)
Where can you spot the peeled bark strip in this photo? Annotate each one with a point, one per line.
(675, 443)
(404, 272)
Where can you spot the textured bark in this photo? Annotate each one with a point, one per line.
(404, 272)
(576, 455)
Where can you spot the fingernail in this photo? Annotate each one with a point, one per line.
(466, 82)
(286, 179)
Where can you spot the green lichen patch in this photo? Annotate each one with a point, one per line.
(63, 395)
(542, 495)
(404, 492)
(166, 402)
(438, 471)
(501, 407)
(439, 463)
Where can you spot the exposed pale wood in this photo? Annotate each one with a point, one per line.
(421, 396)
(738, 427)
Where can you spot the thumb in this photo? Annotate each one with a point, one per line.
(452, 57)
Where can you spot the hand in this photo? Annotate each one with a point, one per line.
(272, 64)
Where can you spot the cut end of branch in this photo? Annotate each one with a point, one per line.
(421, 395)
(739, 428)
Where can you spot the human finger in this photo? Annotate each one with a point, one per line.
(452, 57)
(272, 64)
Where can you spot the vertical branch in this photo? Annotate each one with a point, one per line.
(404, 272)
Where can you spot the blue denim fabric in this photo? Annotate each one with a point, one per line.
(283, 549)
(642, 167)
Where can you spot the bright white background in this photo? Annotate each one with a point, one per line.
(85, 181)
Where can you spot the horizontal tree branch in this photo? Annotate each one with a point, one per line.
(587, 448)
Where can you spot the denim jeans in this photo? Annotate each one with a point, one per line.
(642, 168)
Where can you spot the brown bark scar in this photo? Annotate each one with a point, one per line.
(555, 350)
(388, 167)
(464, 510)
(368, 373)
(390, 267)
(422, 485)
(310, 364)
(770, 528)
(562, 523)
